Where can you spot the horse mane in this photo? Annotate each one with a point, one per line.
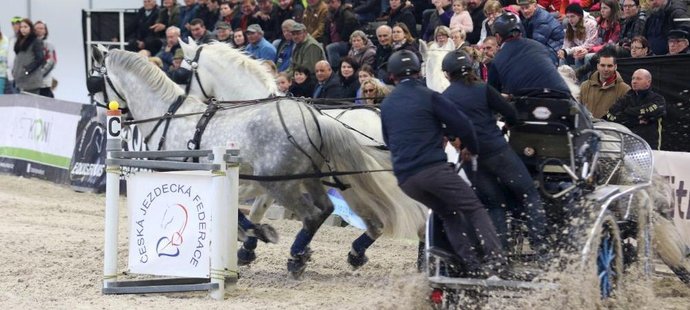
(140, 66)
(244, 61)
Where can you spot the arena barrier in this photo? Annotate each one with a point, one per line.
(219, 208)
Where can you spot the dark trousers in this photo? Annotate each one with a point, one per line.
(465, 220)
(506, 170)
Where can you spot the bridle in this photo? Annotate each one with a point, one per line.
(194, 64)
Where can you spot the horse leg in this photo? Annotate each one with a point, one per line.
(254, 232)
(259, 207)
(357, 256)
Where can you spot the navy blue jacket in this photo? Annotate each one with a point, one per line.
(524, 64)
(412, 120)
(479, 102)
(545, 29)
(660, 22)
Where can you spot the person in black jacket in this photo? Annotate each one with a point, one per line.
(498, 165)
(661, 21)
(327, 83)
(412, 119)
(302, 83)
(349, 81)
(340, 24)
(633, 22)
(400, 13)
(641, 109)
(139, 33)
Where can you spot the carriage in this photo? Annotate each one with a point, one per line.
(593, 182)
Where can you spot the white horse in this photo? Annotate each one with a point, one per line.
(281, 137)
(243, 78)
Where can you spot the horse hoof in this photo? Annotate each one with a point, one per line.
(245, 257)
(266, 233)
(298, 263)
(356, 260)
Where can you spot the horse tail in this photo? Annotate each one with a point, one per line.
(374, 196)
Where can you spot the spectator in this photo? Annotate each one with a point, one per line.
(227, 14)
(302, 83)
(542, 27)
(349, 80)
(476, 9)
(461, 18)
(267, 18)
(403, 40)
(363, 50)
(224, 33)
(285, 46)
(168, 15)
(489, 49)
(580, 36)
(258, 46)
(209, 12)
(440, 16)
(458, 37)
(341, 22)
(677, 42)
(307, 50)
(492, 9)
(609, 27)
(41, 30)
(604, 86)
(175, 65)
(641, 109)
(365, 72)
(284, 83)
(314, 16)
(139, 32)
(239, 40)
(441, 39)
(247, 18)
(384, 49)
(10, 85)
(29, 60)
(328, 84)
(199, 32)
(399, 13)
(633, 22)
(661, 22)
(374, 91)
(167, 53)
(188, 11)
(366, 10)
(639, 47)
(289, 9)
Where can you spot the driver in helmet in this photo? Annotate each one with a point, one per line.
(522, 64)
(413, 118)
(498, 165)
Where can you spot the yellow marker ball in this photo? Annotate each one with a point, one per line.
(113, 105)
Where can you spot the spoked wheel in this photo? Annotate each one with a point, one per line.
(606, 256)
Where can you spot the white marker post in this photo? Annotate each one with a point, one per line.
(112, 195)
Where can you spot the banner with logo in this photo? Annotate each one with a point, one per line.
(675, 166)
(87, 169)
(170, 222)
(37, 138)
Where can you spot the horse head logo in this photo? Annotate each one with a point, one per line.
(173, 224)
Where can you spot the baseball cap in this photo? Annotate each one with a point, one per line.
(255, 28)
(524, 2)
(223, 25)
(298, 27)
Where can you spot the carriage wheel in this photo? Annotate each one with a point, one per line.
(606, 256)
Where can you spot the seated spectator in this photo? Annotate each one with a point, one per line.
(188, 11)
(267, 17)
(661, 21)
(492, 9)
(199, 32)
(489, 49)
(677, 42)
(258, 46)
(314, 16)
(384, 49)
(633, 22)
(341, 22)
(374, 91)
(327, 83)
(641, 109)
(289, 9)
(441, 39)
(639, 47)
(302, 83)
(542, 27)
(209, 12)
(284, 83)
(439, 16)
(138, 31)
(580, 36)
(307, 50)
(461, 19)
(175, 66)
(365, 72)
(172, 35)
(285, 46)
(349, 82)
(399, 13)
(403, 40)
(363, 50)
(248, 9)
(239, 41)
(168, 15)
(366, 10)
(608, 25)
(224, 33)
(458, 37)
(476, 10)
(227, 13)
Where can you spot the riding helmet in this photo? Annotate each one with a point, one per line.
(403, 63)
(456, 61)
(506, 24)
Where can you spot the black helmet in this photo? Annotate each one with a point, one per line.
(505, 24)
(456, 61)
(403, 63)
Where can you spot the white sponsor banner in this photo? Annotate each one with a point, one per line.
(170, 222)
(676, 167)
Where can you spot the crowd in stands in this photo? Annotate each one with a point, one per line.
(27, 59)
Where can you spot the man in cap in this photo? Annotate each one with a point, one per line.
(9, 85)
(677, 42)
(412, 120)
(307, 50)
(224, 32)
(662, 20)
(258, 46)
(542, 27)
